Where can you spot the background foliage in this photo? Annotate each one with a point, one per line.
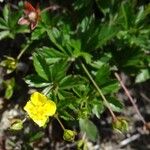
(106, 36)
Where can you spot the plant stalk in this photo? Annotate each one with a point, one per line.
(99, 91)
(130, 97)
(22, 51)
(62, 126)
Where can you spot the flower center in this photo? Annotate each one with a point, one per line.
(32, 16)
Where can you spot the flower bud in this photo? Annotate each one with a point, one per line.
(16, 125)
(69, 135)
(120, 124)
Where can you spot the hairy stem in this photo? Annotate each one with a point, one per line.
(62, 126)
(99, 91)
(53, 7)
(130, 97)
(22, 51)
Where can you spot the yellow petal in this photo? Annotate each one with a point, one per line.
(38, 98)
(50, 108)
(41, 121)
(28, 107)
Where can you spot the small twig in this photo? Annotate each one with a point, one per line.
(130, 98)
(144, 97)
(129, 140)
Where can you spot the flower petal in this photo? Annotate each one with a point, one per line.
(41, 121)
(38, 98)
(28, 7)
(23, 21)
(33, 25)
(50, 108)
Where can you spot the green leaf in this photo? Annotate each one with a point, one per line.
(4, 34)
(115, 104)
(58, 70)
(52, 55)
(6, 13)
(89, 128)
(41, 66)
(3, 24)
(35, 81)
(106, 33)
(126, 13)
(102, 74)
(110, 87)
(70, 82)
(38, 33)
(66, 116)
(143, 76)
(98, 108)
(36, 136)
(9, 88)
(104, 6)
(53, 35)
(85, 24)
(8, 92)
(140, 15)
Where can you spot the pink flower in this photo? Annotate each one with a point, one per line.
(31, 17)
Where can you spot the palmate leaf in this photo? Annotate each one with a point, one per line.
(54, 34)
(41, 66)
(58, 70)
(53, 72)
(106, 33)
(52, 55)
(71, 81)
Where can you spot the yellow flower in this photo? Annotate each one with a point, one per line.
(39, 108)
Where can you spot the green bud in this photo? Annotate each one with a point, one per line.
(120, 124)
(9, 64)
(16, 125)
(69, 135)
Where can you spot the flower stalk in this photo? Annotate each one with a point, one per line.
(62, 126)
(22, 51)
(130, 97)
(100, 92)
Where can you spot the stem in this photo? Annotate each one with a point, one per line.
(22, 51)
(99, 91)
(130, 97)
(62, 126)
(24, 120)
(53, 7)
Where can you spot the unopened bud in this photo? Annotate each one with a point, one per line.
(69, 135)
(17, 125)
(120, 124)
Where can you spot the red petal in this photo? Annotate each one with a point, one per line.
(23, 21)
(33, 25)
(28, 7)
